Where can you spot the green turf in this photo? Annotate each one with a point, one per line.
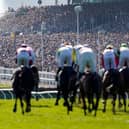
(45, 115)
(5, 85)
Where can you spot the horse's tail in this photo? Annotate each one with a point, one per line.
(36, 77)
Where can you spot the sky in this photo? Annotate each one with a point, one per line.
(4, 4)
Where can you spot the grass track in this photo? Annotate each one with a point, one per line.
(45, 115)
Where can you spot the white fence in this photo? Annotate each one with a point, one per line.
(47, 79)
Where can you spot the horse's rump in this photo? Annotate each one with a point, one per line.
(65, 77)
(92, 83)
(111, 86)
(23, 80)
(111, 80)
(16, 84)
(124, 78)
(22, 85)
(35, 74)
(90, 88)
(67, 86)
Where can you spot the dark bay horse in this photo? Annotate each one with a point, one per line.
(90, 90)
(66, 87)
(111, 86)
(36, 79)
(23, 84)
(124, 78)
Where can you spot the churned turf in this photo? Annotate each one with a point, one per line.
(45, 115)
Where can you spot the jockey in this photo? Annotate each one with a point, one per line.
(75, 53)
(124, 55)
(64, 57)
(87, 60)
(108, 58)
(25, 55)
(31, 55)
(75, 56)
(117, 55)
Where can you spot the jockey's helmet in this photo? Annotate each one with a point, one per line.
(109, 46)
(23, 45)
(66, 43)
(123, 45)
(62, 45)
(86, 45)
(78, 47)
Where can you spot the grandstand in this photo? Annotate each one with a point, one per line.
(111, 17)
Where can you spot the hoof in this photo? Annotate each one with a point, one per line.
(56, 104)
(14, 110)
(22, 112)
(70, 108)
(28, 109)
(64, 104)
(104, 110)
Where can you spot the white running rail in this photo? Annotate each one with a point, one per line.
(47, 79)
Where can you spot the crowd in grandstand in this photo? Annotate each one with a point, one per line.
(99, 24)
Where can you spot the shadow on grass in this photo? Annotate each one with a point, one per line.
(41, 106)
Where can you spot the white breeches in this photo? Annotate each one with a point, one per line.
(32, 58)
(87, 60)
(109, 61)
(23, 59)
(124, 57)
(65, 58)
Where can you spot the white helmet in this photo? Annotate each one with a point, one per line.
(23, 45)
(77, 47)
(62, 45)
(86, 45)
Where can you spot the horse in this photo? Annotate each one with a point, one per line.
(111, 85)
(90, 89)
(66, 87)
(124, 74)
(36, 79)
(58, 88)
(23, 83)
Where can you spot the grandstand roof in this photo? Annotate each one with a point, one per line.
(97, 1)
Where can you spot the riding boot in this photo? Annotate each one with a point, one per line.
(56, 77)
(78, 78)
(94, 73)
(80, 75)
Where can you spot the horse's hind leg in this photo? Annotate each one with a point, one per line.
(28, 102)
(124, 101)
(90, 102)
(15, 106)
(58, 97)
(119, 101)
(73, 97)
(114, 104)
(96, 105)
(36, 89)
(105, 97)
(22, 105)
(84, 105)
(83, 101)
(66, 102)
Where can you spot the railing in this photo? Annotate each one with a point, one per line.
(8, 94)
(47, 79)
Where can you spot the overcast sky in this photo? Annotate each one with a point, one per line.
(4, 4)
